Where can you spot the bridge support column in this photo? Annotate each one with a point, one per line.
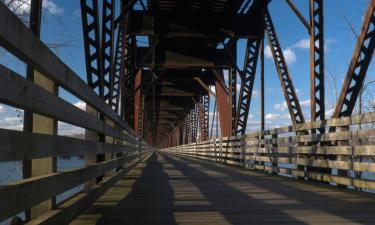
(223, 106)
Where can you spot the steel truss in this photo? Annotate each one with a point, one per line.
(247, 84)
(107, 48)
(282, 69)
(91, 37)
(203, 114)
(317, 60)
(359, 64)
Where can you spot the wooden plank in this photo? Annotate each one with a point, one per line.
(71, 209)
(173, 189)
(16, 145)
(21, 42)
(19, 92)
(32, 191)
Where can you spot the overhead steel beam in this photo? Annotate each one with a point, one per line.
(317, 60)
(289, 92)
(205, 25)
(359, 64)
(176, 58)
(247, 84)
(91, 39)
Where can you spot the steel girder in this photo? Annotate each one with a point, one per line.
(91, 37)
(203, 110)
(138, 103)
(107, 47)
(317, 60)
(233, 81)
(128, 81)
(206, 105)
(117, 77)
(359, 64)
(290, 94)
(247, 84)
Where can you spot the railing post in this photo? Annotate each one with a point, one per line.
(243, 150)
(273, 156)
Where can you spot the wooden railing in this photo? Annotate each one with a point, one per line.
(17, 91)
(342, 155)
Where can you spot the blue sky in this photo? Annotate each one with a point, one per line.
(62, 23)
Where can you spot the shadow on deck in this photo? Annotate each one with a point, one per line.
(170, 189)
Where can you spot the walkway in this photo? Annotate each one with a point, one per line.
(177, 190)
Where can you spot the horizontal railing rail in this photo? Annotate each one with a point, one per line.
(343, 154)
(20, 92)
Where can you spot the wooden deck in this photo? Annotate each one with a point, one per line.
(170, 189)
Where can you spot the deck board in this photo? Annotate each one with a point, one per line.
(169, 189)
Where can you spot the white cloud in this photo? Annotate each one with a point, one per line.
(302, 44)
(52, 7)
(305, 103)
(12, 123)
(281, 106)
(81, 105)
(66, 129)
(289, 54)
(329, 113)
(12, 119)
(2, 109)
(267, 52)
(22, 7)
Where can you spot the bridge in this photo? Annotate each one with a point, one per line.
(158, 74)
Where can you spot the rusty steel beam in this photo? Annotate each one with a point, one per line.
(232, 51)
(138, 103)
(203, 113)
(91, 40)
(286, 82)
(317, 60)
(359, 64)
(247, 84)
(223, 106)
(262, 103)
(299, 15)
(118, 61)
(107, 48)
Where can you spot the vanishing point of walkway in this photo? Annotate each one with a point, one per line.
(169, 189)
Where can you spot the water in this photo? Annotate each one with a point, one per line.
(12, 171)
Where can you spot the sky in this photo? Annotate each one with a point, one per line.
(62, 24)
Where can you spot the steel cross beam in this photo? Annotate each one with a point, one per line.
(107, 47)
(359, 64)
(91, 37)
(282, 69)
(247, 84)
(317, 60)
